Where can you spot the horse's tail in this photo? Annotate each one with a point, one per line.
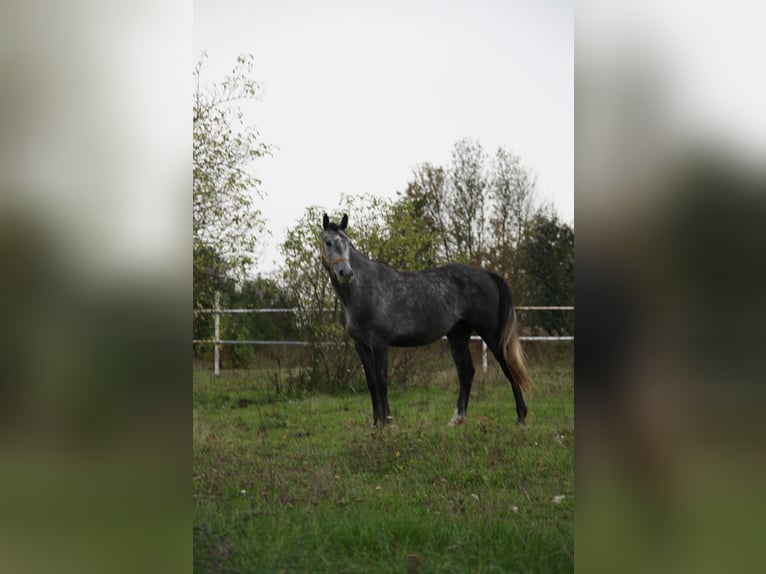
(508, 336)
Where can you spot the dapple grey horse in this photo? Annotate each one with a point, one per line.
(384, 307)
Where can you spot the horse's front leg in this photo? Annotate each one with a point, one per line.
(365, 354)
(380, 364)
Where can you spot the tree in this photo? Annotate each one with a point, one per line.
(388, 231)
(426, 200)
(476, 211)
(512, 195)
(225, 222)
(547, 264)
(412, 237)
(466, 201)
(452, 201)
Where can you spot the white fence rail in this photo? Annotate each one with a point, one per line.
(217, 341)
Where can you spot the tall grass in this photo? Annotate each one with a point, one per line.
(300, 482)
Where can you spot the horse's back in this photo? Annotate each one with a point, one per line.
(471, 290)
(409, 308)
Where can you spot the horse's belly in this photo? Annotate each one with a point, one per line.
(400, 329)
(413, 340)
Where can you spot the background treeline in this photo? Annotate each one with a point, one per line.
(480, 209)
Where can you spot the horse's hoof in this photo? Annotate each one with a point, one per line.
(456, 420)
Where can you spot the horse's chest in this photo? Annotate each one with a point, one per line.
(362, 326)
(354, 328)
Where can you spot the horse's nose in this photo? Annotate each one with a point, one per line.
(346, 273)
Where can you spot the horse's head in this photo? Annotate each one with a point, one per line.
(336, 250)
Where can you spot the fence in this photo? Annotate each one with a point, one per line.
(217, 341)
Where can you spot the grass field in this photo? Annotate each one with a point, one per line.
(304, 484)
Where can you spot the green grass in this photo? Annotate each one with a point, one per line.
(304, 484)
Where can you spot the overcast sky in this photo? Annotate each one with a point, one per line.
(358, 93)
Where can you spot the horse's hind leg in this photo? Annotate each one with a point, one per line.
(494, 345)
(459, 339)
(521, 407)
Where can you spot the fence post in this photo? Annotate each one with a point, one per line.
(217, 347)
(484, 356)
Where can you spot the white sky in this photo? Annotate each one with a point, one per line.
(358, 93)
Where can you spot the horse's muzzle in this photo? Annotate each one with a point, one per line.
(344, 274)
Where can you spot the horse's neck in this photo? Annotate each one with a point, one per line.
(357, 258)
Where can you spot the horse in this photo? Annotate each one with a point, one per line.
(383, 307)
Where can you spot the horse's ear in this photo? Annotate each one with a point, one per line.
(344, 222)
(325, 222)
